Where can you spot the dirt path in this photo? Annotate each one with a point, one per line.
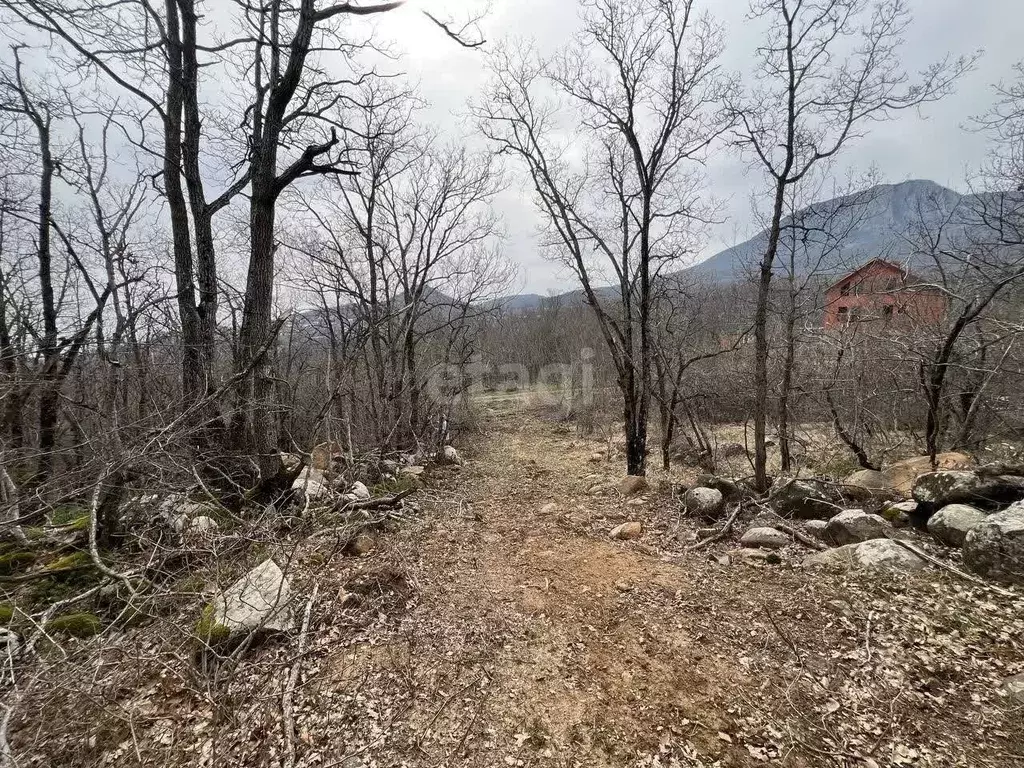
(531, 638)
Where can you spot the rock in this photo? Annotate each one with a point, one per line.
(631, 485)
(951, 523)
(855, 525)
(816, 528)
(764, 538)
(900, 513)
(749, 553)
(449, 456)
(766, 519)
(360, 491)
(902, 474)
(325, 455)
(877, 553)
(805, 499)
(994, 548)
(259, 601)
(937, 489)
(363, 544)
(868, 483)
(704, 502)
(596, 458)
(291, 461)
(311, 490)
(310, 474)
(729, 489)
(1013, 689)
(414, 470)
(204, 524)
(626, 531)
(549, 509)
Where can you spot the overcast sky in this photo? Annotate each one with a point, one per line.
(928, 145)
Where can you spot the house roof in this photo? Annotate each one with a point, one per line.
(905, 273)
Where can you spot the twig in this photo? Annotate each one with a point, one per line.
(946, 566)
(783, 635)
(722, 533)
(800, 536)
(293, 679)
(384, 501)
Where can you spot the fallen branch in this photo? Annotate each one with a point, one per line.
(293, 679)
(956, 571)
(379, 503)
(722, 533)
(800, 536)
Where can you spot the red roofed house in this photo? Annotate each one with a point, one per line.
(882, 292)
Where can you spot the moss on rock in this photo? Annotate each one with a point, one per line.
(16, 561)
(76, 625)
(208, 630)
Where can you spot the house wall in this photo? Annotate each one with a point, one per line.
(865, 295)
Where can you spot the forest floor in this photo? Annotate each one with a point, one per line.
(504, 626)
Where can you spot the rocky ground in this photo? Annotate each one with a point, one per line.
(504, 625)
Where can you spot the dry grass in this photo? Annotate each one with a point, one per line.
(490, 633)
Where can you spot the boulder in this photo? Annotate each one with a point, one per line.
(311, 490)
(805, 499)
(900, 513)
(902, 474)
(257, 602)
(764, 538)
(994, 548)
(951, 523)
(449, 456)
(868, 483)
(877, 553)
(325, 455)
(626, 531)
(360, 491)
(704, 502)
(937, 489)
(816, 528)
(855, 525)
(729, 489)
(631, 485)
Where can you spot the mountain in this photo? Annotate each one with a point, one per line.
(874, 223)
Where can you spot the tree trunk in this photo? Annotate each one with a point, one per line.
(761, 343)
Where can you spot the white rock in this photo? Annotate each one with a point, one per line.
(951, 524)
(765, 538)
(995, 546)
(877, 553)
(855, 525)
(260, 600)
(449, 455)
(360, 491)
(704, 502)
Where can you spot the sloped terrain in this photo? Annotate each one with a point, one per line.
(503, 626)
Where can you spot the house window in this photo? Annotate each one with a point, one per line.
(887, 311)
(844, 313)
(844, 290)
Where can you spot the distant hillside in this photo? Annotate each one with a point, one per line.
(875, 223)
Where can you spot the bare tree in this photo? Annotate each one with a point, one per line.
(828, 69)
(640, 90)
